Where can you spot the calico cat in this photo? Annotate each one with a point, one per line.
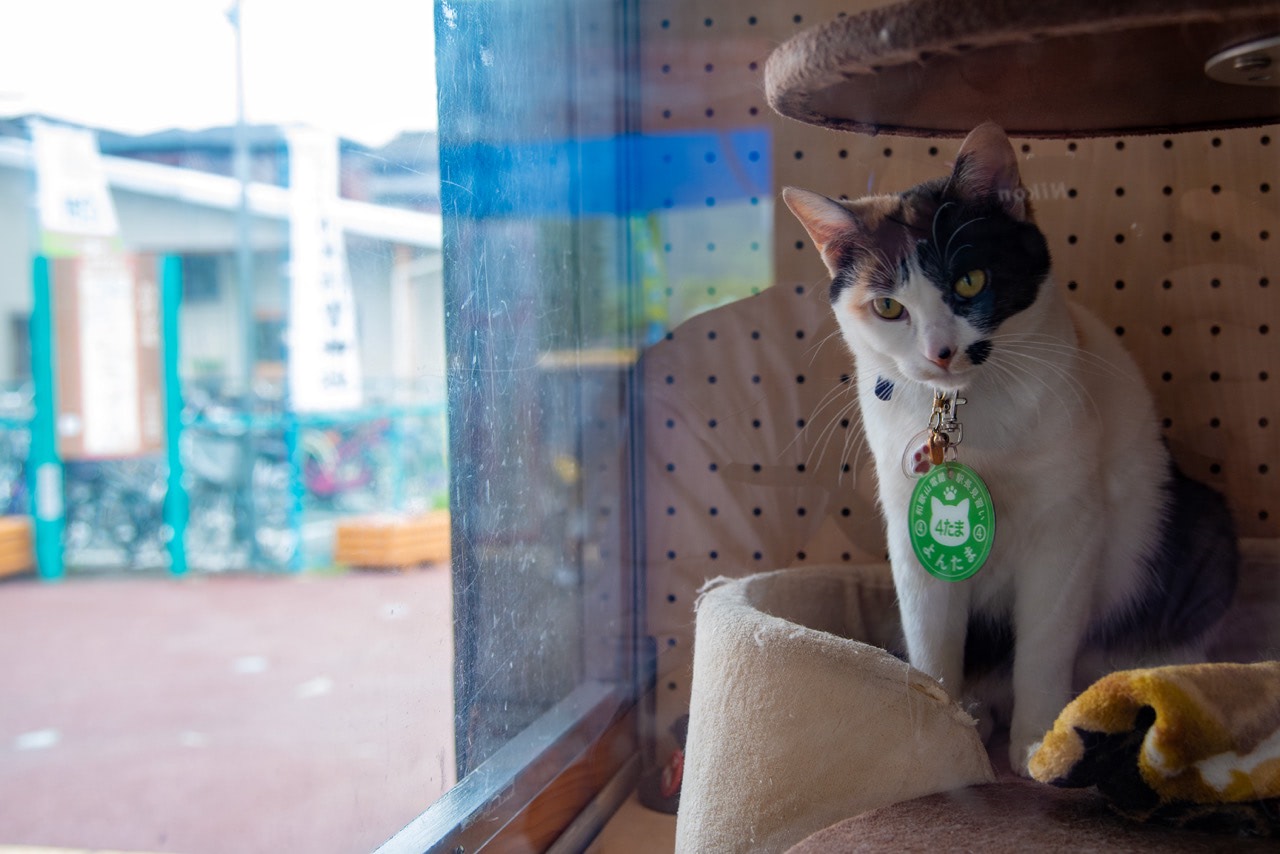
(1104, 555)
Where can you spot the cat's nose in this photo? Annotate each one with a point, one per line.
(943, 357)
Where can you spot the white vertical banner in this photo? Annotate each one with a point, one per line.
(71, 184)
(109, 381)
(324, 355)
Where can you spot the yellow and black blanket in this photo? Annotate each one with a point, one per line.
(1190, 745)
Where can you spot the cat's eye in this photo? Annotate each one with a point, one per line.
(887, 307)
(971, 283)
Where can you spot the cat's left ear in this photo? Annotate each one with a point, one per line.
(828, 222)
(987, 168)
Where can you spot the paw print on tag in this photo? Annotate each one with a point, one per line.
(915, 459)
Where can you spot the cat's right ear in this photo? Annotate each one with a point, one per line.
(828, 222)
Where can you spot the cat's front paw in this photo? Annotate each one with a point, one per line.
(1020, 752)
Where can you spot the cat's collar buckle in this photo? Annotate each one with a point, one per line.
(945, 430)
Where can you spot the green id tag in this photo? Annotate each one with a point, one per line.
(952, 521)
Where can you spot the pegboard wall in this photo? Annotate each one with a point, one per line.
(752, 457)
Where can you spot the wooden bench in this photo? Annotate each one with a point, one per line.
(393, 541)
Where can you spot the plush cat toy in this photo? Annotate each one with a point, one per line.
(1033, 512)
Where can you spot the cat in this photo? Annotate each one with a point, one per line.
(1104, 554)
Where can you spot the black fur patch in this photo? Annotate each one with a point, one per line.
(884, 388)
(1191, 572)
(979, 351)
(959, 236)
(988, 645)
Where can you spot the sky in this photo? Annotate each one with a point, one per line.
(364, 69)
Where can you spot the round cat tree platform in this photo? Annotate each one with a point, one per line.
(1065, 68)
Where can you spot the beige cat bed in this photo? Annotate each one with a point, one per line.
(800, 721)
(799, 717)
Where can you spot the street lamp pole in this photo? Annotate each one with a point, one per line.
(244, 251)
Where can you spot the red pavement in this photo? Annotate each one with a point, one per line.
(223, 714)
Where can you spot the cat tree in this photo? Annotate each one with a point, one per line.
(765, 643)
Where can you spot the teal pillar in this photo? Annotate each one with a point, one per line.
(293, 448)
(45, 466)
(176, 504)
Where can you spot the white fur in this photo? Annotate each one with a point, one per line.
(1060, 426)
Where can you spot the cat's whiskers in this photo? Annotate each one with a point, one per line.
(936, 215)
(828, 429)
(947, 252)
(1060, 371)
(859, 440)
(816, 348)
(1049, 343)
(1020, 376)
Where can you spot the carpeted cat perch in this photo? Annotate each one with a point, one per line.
(1073, 68)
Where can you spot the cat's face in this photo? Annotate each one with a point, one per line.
(931, 277)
